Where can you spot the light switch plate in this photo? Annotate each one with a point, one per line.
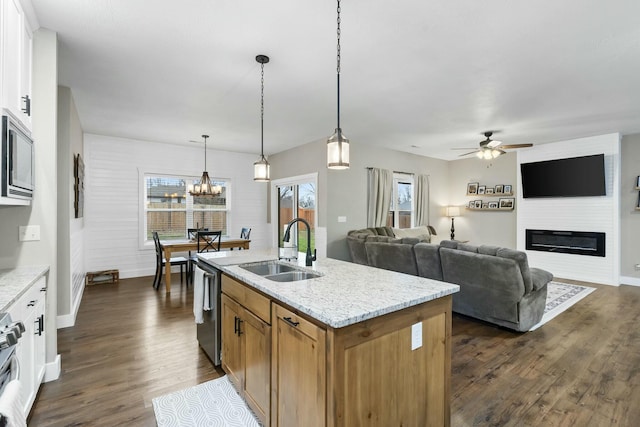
(342, 219)
(28, 233)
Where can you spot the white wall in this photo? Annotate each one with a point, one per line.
(598, 214)
(112, 201)
(629, 215)
(70, 229)
(483, 227)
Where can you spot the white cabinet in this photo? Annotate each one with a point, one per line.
(30, 309)
(16, 42)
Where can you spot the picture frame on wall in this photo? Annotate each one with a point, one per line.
(490, 190)
(638, 182)
(507, 203)
(478, 204)
(472, 188)
(78, 186)
(493, 205)
(485, 206)
(499, 189)
(472, 204)
(481, 189)
(507, 189)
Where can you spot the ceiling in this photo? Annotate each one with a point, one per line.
(416, 76)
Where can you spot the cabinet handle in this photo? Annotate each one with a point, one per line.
(291, 322)
(43, 289)
(235, 325)
(40, 325)
(31, 303)
(239, 329)
(27, 105)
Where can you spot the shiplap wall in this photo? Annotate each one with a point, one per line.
(113, 206)
(599, 214)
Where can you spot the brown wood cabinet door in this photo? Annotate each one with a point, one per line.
(231, 341)
(299, 371)
(256, 348)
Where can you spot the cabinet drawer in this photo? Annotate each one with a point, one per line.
(252, 300)
(27, 302)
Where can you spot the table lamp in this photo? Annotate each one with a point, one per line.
(452, 212)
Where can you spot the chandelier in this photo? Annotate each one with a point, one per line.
(204, 188)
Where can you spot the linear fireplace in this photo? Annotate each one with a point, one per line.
(569, 242)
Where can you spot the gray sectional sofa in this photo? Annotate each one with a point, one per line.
(496, 284)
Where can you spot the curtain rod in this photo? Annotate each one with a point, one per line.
(406, 173)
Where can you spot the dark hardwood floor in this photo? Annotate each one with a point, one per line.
(132, 343)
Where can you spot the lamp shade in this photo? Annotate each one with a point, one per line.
(452, 211)
(261, 170)
(338, 151)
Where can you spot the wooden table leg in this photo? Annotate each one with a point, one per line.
(167, 269)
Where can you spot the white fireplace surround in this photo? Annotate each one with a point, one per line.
(598, 214)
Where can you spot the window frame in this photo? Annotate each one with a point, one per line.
(147, 243)
(394, 212)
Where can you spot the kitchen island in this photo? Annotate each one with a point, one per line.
(355, 346)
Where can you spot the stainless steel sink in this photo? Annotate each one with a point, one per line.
(268, 268)
(292, 276)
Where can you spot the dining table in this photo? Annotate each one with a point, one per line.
(171, 247)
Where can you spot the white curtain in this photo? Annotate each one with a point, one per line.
(422, 200)
(380, 191)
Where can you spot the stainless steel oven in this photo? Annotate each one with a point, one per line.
(10, 333)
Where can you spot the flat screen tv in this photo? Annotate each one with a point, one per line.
(573, 177)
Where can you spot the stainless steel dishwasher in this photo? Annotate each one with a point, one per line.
(208, 332)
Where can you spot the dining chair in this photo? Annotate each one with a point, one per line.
(206, 241)
(161, 262)
(191, 233)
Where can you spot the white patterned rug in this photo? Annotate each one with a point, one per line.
(561, 296)
(214, 403)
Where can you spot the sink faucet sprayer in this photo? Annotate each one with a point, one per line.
(309, 258)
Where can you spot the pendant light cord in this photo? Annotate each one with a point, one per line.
(338, 62)
(205, 151)
(262, 111)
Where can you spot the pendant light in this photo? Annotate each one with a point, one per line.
(204, 188)
(338, 144)
(261, 168)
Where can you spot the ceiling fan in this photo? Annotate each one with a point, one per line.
(490, 149)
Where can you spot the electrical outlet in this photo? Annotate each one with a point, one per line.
(27, 233)
(342, 219)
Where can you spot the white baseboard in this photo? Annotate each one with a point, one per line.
(52, 370)
(69, 320)
(626, 280)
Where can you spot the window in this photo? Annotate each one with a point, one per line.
(401, 212)
(169, 209)
(296, 198)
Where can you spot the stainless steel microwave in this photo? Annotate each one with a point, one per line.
(17, 159)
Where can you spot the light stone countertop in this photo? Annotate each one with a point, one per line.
(345, 294)
(15, 281)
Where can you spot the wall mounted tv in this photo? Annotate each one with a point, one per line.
(573, 177)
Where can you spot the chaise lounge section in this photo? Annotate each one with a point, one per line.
(496, 284)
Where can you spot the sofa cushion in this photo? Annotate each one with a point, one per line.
(355, 242)
(468, 248)
(451, 244)
(520, 258)
(410, 240)
(428, 260)
(385, 231)
(539, 278)
(419, 232)
(383, 239)
(391, 256)
(488, 250)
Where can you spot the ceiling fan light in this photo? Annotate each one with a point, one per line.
(495, 153)
(480, 154)
(487, 154)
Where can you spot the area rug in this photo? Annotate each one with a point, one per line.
(561, 296)
(214, 403)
